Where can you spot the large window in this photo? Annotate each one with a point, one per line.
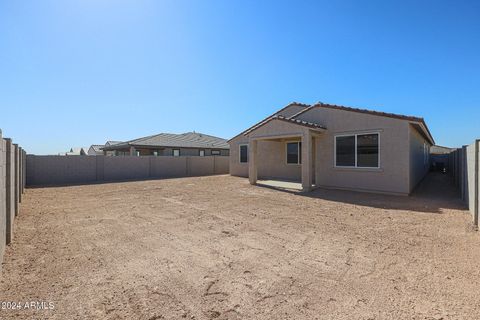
(243, 153)
(294, 152)
(215, 152)
(176, 152)
(357, 151)
(201, 153)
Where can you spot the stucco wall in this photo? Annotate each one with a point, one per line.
(393, 176)
(271, 153)
(419, 167)
(61, 170)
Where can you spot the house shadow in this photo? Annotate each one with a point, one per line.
(435, 192)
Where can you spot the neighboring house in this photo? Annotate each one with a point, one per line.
(96, 149)
(169, 144)
(76, 152)
(441, 150)
(111, 143)
(439, 158)
(338, 147)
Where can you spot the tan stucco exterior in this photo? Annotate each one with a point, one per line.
(401, 145)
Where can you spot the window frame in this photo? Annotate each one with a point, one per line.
(240, 152)
(173, 152)
(356, 150)
(299, 158)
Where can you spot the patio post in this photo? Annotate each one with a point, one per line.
(307, 161)
(252, 161)
(133, 151)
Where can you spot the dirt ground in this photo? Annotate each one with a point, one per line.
(218, 248)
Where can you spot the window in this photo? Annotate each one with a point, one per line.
(357, 151)
(155, 153)
(201, 153)
(137, 153)
(294, 152)
(243, 153)
(176, 152)
(345, 151)
(215, 152)
(367, 151)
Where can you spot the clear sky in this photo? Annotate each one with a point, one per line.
(75, 73)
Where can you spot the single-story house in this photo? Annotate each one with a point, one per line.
(96, 149)
(331, 146)
(169, 144)
(75, 152)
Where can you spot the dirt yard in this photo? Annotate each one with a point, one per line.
(218, 248)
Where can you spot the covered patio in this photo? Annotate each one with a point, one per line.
(281, 129)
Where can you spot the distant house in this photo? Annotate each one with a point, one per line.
(96, 149)
(330, 146)
(111, 143)
(169, 144)
(75, 152)
(441, 150)
(439, 158)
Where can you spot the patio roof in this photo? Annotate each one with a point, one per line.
(311, 125)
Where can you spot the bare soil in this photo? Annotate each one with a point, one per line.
(218, 248)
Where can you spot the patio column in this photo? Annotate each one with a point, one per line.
(252, 161)
(133, 152)
(307, 159)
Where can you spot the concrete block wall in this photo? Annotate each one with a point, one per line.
(3, 204)
(61, 170)
(12, 174)
(464, 166)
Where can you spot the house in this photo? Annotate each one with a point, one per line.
(439, 158)
(96, 149)
(331, 146)
(169, 144)
(75, 152)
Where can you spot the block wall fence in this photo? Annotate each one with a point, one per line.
(464, 166)
(71, 170)
(12, 187)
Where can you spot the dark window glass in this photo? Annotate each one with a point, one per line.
(294, 150)
(345, 152)
(367, 150)
(243, 154)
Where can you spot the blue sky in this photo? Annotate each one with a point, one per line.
(75, 73)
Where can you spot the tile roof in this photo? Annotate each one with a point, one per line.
(267, 119)
(308, 107)
(110, 143)
(184, 140)
(372, 112)
(300, 122)
(381, 114)
(96, 147)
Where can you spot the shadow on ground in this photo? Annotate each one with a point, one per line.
(437, 191)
